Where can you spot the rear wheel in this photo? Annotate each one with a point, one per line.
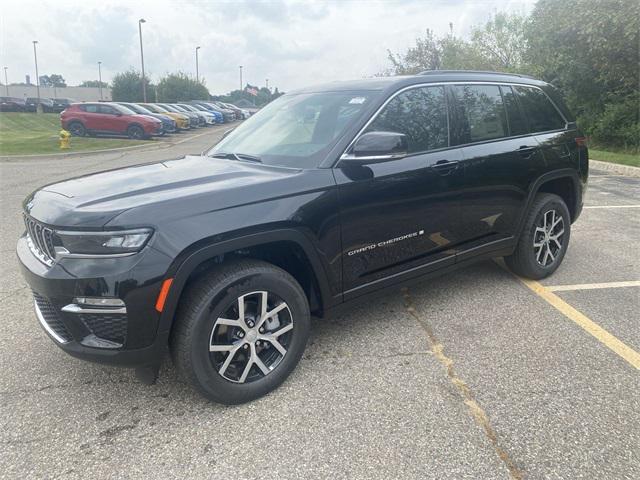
(544, 239)
(135, 132)
(240, 331)
(77, 129)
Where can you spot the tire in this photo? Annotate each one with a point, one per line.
(215, 298)
(77, 129)
(135, 132)
(544, 239)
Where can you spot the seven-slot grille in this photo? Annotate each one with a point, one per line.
(40, 240)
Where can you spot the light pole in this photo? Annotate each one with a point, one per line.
(6, 82)
(144, 86)
(35, 57)
(100, 79)
(240, 77)
(197, 70)
(267, 82)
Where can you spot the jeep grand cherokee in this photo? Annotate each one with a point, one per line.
(326, 195)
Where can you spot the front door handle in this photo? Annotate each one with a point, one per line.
(445, 167)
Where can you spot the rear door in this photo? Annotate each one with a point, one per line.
(91, 117)
(549, 127)
(398, 218)
(500, 159)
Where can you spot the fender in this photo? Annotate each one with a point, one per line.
(535, 187)
(183, 267)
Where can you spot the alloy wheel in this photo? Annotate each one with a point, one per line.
(548, 238)
(251, 337)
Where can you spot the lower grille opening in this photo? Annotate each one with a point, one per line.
(48, 314)
(110, 327)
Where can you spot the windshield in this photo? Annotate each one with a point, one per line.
(170, 108)
(139, 109)
(179, 108)
(121, 109)
(189, 108)
(157, 109)
(295, 130)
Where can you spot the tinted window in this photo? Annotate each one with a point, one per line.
(540, 112)
(419, 113)
(517, 123)
(107, 109)
(89, 108)
(480, 113)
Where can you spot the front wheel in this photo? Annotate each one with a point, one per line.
(240, 331)
(135, 132)
(544, 239)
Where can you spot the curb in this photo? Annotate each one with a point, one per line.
(153, 144)
(626, 170)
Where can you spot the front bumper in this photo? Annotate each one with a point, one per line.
(126, 336)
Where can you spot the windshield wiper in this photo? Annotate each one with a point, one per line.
(236, 156)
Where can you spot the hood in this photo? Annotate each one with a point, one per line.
(93, 200)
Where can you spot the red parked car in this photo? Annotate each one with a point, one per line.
(108, 118)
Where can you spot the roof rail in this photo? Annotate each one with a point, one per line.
(436, 72)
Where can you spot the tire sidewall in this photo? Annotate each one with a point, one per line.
(553, 203)
(135, 128)
(81, 133)
(207, 378)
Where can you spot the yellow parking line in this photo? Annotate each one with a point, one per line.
(627, 353)
(610, 206)
(591, 286)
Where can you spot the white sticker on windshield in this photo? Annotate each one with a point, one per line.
(357, 100)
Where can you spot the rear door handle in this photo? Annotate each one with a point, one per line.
(526, 151)
(444, 167)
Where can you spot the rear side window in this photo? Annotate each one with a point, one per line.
(419, 113)
(517, 122)
(480, 113)
(89, 108)
(539, 110)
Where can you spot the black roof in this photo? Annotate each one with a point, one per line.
(430, 76)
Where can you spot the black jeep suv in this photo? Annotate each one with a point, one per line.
(326, 195)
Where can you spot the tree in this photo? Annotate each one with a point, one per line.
(590, 51)
(94, 84)
(425, 55)
(53, 80)
(127, 87)
(177, 87)
(502, 42)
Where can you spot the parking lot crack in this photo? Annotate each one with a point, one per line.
(474, 408)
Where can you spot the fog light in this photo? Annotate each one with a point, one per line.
(99, 301)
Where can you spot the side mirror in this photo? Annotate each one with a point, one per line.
(377, 147)
(118, 114)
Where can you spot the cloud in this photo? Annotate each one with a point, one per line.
(290, 42)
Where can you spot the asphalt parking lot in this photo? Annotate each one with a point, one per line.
(476, 375)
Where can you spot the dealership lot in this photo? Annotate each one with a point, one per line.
(473, 375)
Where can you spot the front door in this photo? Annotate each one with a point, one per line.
(398, 217)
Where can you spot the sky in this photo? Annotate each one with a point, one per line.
(292, 43)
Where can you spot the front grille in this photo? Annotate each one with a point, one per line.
(52, 318)
(40, 240)
(112, 327)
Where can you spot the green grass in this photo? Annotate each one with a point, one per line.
(615, 157)
(30, 133)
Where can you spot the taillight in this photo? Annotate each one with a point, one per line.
(581, 141)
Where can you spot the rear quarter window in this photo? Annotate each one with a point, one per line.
(538, 109)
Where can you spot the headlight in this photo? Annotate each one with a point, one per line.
(102, 243)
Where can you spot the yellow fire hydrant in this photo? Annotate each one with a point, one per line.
(65, 139)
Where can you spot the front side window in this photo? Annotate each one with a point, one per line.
(480, 113)
(296, 130)
(419, 113)
(540, 112)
